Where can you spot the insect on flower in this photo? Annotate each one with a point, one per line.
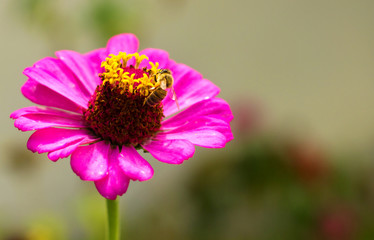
(102, 106)
(166, 81)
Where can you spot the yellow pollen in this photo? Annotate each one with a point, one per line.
(139, 59)
(154, 67)
(117, 72)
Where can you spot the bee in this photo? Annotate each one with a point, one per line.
(166, 81)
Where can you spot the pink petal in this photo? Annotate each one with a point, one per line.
(33, 118)
(38, 121)
(126, 42)
(82, 69)
(43, 77)
(134, 165)
(40, 94)
(215, 107)
(155, 55)
(206, 123)
(189, 87)
(223, 128)
(43, 110)
(190, 94)
(203, 137)
(95, 58)
(170, 151)
(115, 183)
(65, 152)
(52, 139)
(57, 69)
(182, 72)
(91, 162)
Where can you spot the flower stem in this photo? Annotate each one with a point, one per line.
(113, 219)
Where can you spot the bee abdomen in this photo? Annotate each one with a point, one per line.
(156, 97)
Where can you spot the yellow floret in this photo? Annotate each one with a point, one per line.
(115, 73)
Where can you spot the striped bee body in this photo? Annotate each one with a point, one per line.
(156, 96)
(166, 80)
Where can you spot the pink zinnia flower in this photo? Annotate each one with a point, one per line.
(95, 110)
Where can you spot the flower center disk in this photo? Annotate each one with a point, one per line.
(116, 111)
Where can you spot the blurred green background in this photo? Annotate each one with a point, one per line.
(299, 76)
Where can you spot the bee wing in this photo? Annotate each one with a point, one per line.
(163, 85)
(174, 96)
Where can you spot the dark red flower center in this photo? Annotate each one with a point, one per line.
(117, 111)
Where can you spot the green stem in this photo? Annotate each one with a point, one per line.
(113, 219)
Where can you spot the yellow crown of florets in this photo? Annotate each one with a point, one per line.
(116, 73)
